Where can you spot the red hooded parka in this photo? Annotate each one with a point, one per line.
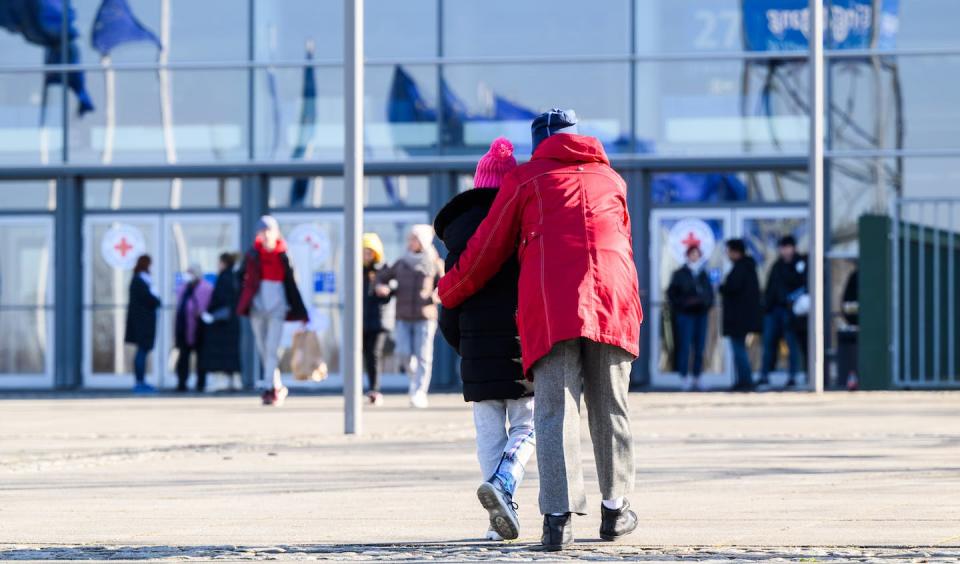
(567, 211)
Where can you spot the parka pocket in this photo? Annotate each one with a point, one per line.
(529, 237)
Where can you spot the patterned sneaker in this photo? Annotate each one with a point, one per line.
(492, 535)
(501, 508)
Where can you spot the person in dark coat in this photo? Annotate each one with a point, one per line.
(141, 327)
(786, 282)
(483, 330)
(220, 350)
(742, 313)
(193, 297)
(374, 327)
(691, 297)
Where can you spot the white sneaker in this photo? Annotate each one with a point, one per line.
(492, 536)
(419, 401)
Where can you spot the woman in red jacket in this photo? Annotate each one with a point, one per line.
(269, 296)
(565, 215)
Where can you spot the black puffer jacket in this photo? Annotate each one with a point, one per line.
(690, 293)
(373, 305)
(221, 339)
(484, 328)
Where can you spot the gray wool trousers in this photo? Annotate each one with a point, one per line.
(601, 373)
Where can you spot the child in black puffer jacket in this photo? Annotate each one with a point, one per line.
(483, 330)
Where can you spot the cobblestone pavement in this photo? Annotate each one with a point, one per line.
(461, 552)
(720, 477)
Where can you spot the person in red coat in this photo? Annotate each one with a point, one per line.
(269, 297)
(564, 214)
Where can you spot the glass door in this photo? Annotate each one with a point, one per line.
(112, 244)
(672, 232)
(26, 302)
(189, 239)
(760, 229)
(315, 242)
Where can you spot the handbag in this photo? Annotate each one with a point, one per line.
(306, 360)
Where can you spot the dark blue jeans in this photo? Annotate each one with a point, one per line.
(691, 333)
(777, 326)
(741, 362)
(140, 364)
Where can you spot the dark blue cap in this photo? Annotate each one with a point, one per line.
(554, 121)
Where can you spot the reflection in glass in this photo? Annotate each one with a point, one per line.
(191, 116)
(29, 134)
(699, 187)
(186, 193)
(555, 27)
(26, 284)
(501, 100)
(23, 340)
(713, 354)
(327, 191)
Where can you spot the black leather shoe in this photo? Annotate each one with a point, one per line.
(557, 532)
(616, 523)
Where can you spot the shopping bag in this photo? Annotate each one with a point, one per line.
(306, 360)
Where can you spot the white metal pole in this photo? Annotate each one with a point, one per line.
(353, 213)
(816, 328)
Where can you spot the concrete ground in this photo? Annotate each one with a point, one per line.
(866, 476)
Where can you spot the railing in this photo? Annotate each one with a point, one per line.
(925, 247)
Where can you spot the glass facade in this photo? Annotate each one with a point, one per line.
(227, 83)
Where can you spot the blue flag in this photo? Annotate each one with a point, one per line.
(115, 25)
(38, 21)
(308, 123)
(406, 104)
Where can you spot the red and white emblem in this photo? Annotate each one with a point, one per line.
(122, 245)
(688, 233)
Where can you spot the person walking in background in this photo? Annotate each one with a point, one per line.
(742, 313)
(220, 348)
(691, 297)
(788, 276)
(483, 330)
(578, 314)
(374, 328)
(413, 281)
(193, 297)
(141, 326)
(269, 296)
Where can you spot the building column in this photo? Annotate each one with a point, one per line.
(68, 290)
(254, 202)
(446, 374)
(639, 186)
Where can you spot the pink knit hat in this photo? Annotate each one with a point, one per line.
(495, 164)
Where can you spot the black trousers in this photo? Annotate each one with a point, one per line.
(373, 342)
(183, 369)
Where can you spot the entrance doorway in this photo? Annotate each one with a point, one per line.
(672, 230)
(112, 243)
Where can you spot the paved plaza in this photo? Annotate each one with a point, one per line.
(794, 476)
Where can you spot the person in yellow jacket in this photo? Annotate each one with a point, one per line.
(374, 326)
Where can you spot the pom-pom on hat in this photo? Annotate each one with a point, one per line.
(495, 164)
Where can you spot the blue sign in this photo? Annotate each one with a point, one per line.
(324, 282)
(783, 25)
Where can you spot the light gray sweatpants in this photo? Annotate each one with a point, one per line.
(602, 374)
(505, 439)
(267, 316)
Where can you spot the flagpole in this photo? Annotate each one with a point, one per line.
(166, 103)
(353, 213)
